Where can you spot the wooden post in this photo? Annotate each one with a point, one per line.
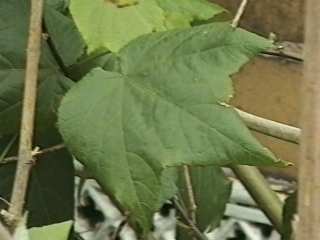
(308, 223)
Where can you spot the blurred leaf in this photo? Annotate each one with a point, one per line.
(50, 195)
(59, 231)
(289, 211)
(14, 19)
(104, 24)
(64, 35)
(212, 191)
(184, 12)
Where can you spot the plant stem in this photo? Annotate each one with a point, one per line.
(190, 223)
(191, 196)
(261, 192)
(38, 153)
(270, 128)
(8, 147)
(242, 7)
(27, 124)
(308, 225)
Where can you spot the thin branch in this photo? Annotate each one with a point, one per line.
(35, 153)
(309, 167)
(281, 55)
(242, 7)
(270, 128)
(5, 201)
(191, 196)
(191, 224)
(116, 234)
(7, 148)
(261, 192)
(28, 112)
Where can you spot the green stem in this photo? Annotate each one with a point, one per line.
(261, 192)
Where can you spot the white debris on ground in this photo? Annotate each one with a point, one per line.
(242, 221)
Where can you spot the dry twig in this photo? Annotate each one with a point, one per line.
(28, 112)
(236, 19)
(189, 222)
(35, 153)
(191, 196)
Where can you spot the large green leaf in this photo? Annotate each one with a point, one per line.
(112, 24)
(52, 83)
(165, 107)
(211, 192)
(179, 83)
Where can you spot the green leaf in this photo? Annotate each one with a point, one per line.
(52, 83)
(59, 231)
(124, 3)
(117, 164)
(64, 35)
(180, 81)
(211, 191)
(165, 107)
(169, 188)
(59, 5)
(106, 26)
(110, 25)
(184, 12)
(289, 212)
(50, 192)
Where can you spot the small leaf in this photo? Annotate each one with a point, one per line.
(289, 212)
(59, 5)
(64, 35)
(59, 231)
(211, 190)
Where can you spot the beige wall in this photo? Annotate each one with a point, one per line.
(270, 88)
(283, 17)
